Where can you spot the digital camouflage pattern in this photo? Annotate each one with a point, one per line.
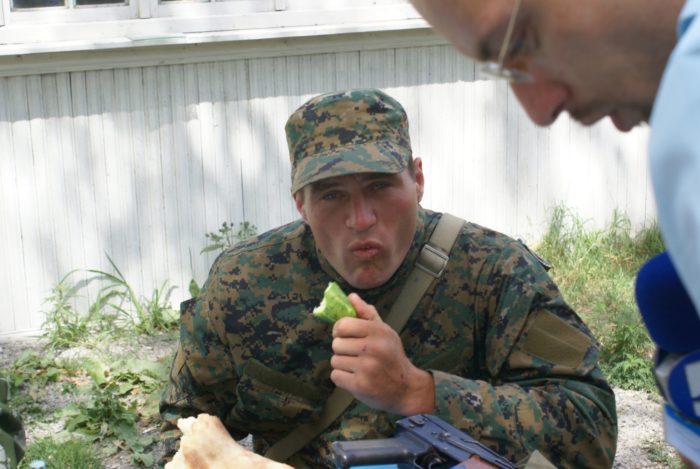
(356, 131)
(514, 366)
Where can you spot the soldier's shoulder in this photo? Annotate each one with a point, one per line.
(292, 233)
(489, 242)
(485, 238)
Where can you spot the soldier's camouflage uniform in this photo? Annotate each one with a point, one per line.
(513, 365)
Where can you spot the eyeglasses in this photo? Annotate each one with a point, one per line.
(496, 69)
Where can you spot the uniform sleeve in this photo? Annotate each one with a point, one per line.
(202, 376)
(539, 385)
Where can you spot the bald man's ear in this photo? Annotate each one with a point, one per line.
(299, 202)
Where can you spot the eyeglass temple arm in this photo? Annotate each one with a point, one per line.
(509, 31)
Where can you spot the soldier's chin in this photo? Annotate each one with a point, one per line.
(368, 279)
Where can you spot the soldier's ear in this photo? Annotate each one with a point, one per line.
(299, 202)
(419, 177)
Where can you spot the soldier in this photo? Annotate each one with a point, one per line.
(490, 347)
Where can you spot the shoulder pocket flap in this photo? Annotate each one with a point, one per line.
(554, 340)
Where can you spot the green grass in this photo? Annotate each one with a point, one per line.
(595, 270)
(71, 454)
(659, 452)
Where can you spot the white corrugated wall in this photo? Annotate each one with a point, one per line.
(140, 162)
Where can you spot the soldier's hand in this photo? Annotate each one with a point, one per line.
(369, 362)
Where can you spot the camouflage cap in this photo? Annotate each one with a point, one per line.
(348, 132)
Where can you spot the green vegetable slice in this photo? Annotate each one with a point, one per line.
(334, 305)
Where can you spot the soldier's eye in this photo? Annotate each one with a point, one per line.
(379, 185)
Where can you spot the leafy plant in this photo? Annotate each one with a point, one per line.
(38, 368)
(101, 417)
(110, 408)
(28, 376)
(226, 237)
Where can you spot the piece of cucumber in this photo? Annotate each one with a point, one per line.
(334, 305)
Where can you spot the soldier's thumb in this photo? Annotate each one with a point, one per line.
(364, 310)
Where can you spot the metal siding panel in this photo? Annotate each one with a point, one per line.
(262, 174)
(347, 69)
(96, 156)
(377, 69)
(12, 273)
(150, 183)
(89, 223)
(29, 270)
(173, 151)
(219, 181)
(69, 179)
(238, 138)
(54, 228)
(207, 128)
(132, 127)
(40, 255)
(123, 163)
(192, 165)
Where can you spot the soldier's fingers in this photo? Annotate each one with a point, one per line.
(343, 363)
(342, 379)
(364, 310)
(350, 327)
(348, 346)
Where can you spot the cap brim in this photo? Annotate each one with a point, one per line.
(379, 156)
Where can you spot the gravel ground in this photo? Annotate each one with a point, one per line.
(639, 415)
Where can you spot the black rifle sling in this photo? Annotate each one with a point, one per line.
(430, 264)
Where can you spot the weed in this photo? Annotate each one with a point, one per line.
(31, 372)
(102, 417)
(659, 452)
(145, 315)
(226, 237)
(626, 354)
(595, 270)
(222, 240)
(63, 326)
(121, 392)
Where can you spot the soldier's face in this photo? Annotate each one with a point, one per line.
(364, 223)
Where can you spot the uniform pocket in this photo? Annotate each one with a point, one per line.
(266, 395)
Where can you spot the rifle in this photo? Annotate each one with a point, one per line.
(421, 441)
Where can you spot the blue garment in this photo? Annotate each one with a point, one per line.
(674, 151)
